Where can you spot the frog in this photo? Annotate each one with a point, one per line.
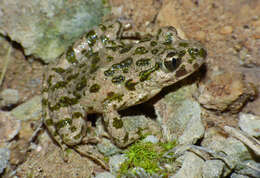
(110, 69)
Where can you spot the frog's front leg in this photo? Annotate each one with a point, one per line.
(117, 130)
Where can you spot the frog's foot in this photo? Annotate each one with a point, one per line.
(117, 130)
(91, 137)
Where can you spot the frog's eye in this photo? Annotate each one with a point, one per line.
(172, 61)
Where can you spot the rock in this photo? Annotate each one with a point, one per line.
(8, 97)
(4, 158)
(212, 169)
(248, 140)
(18, 150)
(250, 124)
(191, 167)
(235, 175)
(107, 148)
(30, 110)
(105, 175)
(230, 150)
(46, 29)
(151, 138)
(180, 116)
(9, 126)
(226, 30)
(194, 129)
(141, 125)
(167, 17)
(115, 162)
(249, 168)
(225, 91)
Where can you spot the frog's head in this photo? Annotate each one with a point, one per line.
(180, 60)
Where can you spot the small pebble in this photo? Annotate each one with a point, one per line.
(226, 30)
(257, 33)
(200, 35)
(8, 97)
(9, 127)
(4, 158)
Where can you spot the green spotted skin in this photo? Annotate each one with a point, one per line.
(105, 71)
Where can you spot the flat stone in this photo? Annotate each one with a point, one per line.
(4, 157)
(9, 126)
(212, 169)
(191, 167)
(46, 28)
(8, 97)
(30, 110)
(250, 124)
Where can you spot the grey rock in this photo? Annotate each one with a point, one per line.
(250, 124)
(191, 167)
(9, 97)
(194, 129)
(140, 125)
(9, 126)
(212, 169)
(180, 116)
(30, 110)
(105, 175)
(107, 148)
(151, 138)
(4, 158)
(46, 28)
(115, 162)
(249, 168)
(230, 150)
(234, 94)
(235, 175)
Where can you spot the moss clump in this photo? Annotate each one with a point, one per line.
(148, 156)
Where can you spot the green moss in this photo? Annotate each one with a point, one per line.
(148, 156)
